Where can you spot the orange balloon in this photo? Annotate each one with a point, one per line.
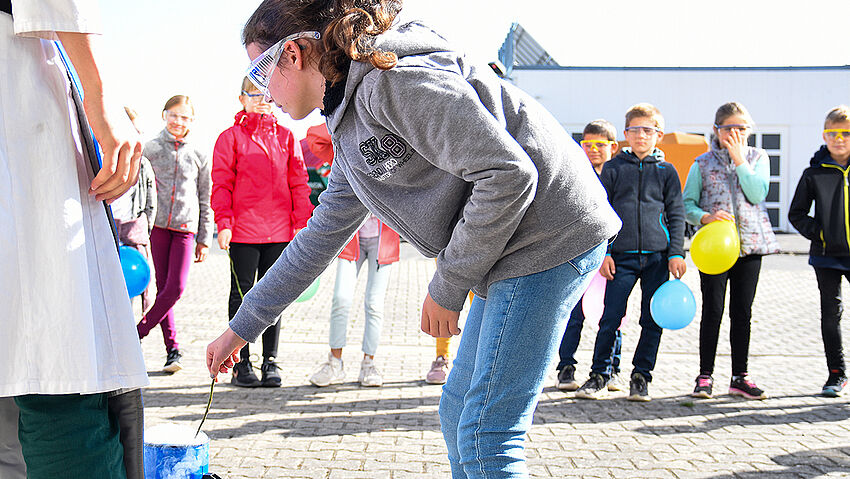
(716, 247)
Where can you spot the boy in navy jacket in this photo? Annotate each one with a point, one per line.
(645, 192)
(824, 183)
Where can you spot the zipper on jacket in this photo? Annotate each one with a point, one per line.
(846, 184)
(640, 184)
(173, 182)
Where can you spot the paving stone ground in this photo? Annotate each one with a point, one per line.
(345, 431)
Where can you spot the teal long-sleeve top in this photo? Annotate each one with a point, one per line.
(754, 180)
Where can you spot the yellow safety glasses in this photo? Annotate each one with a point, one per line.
(836, 133)
(595, 145)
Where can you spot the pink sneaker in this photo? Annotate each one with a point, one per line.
(439, 371)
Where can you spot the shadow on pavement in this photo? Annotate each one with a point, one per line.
(305, 411)
(802, 464)
(715, 414)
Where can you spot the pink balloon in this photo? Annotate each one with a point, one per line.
(593, 301)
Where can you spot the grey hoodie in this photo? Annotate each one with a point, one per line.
(183, 186)
(466, 167)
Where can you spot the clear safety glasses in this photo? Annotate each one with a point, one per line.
(741, 128)
(646, 130)
(263, 66)
(836, 133)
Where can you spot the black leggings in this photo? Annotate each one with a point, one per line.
(742, 278)
(247, 262)
(829, 284)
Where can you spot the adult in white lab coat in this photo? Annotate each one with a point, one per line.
(67, 336)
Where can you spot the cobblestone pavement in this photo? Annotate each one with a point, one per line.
(345, 431)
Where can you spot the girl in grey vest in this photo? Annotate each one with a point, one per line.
(729, 183)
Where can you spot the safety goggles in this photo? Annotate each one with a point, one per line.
(261, 69)
(170, 115)
(254, 97)
(646, 130)
(737, 127)
(836, 133)
(595, 145)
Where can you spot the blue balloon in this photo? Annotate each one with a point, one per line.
(137, 272)
(673, 305)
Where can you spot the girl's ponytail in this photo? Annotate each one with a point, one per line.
(348, 29)
(350, 35)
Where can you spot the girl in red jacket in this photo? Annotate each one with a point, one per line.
(261, 199)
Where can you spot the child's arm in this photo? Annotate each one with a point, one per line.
(798, 211)
(674, 211)
(755, 180)
(691, 196)
(296, 179)
(205, 215)
(223, 181)
(150, 192)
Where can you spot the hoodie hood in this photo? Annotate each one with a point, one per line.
(405, 39)
(254, 121)
(627, 154)
(822, 156)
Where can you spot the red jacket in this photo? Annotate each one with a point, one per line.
(260, 189)
(388, 243)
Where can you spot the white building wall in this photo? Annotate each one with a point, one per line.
(790, 102)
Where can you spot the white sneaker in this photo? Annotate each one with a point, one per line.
(369, 374)
(617, 383)
(328, 373)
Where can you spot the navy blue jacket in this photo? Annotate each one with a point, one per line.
(647, 195)
(826, 184)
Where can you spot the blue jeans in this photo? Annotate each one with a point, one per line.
(376, 289)
(572, 336)
(651, 269)
(507, 346)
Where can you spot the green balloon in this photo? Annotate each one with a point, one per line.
(309, 292)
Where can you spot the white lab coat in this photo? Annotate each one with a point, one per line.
(66, 324)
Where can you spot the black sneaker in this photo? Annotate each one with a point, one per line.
(172, 362)
(741, 386)
(593, 388)
(703, 389)
(567, 378)
(639, 388)
(243, 375)
(835, 384)
(271, 378)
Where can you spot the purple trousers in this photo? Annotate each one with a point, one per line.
(173, 253)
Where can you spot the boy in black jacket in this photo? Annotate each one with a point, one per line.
(825, 182)
(645, 192)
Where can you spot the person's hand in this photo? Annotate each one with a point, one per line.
(119, 141)
(201, 251)
(677, 267)
(736, 144)
(439, 321)
(718, 215)
(224, 237)
(607, 270)
(222, 353)
(121, 152)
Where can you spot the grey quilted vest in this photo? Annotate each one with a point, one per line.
(722, 191)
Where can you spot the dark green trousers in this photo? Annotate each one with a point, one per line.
(69, 435)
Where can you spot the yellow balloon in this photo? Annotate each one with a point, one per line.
(715, 247)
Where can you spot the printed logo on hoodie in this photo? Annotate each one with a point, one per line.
(390, 150)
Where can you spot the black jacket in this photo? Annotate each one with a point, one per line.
(647, 195)
(825, 183)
